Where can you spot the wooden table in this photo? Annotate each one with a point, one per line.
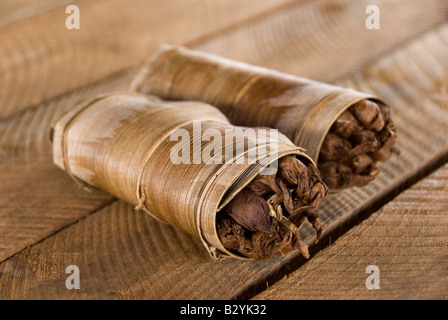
(399, 223)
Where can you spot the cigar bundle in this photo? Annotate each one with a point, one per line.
(245, 196)
(344, 131)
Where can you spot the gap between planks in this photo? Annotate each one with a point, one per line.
(406, 239)
(342, 227)
(106, 204)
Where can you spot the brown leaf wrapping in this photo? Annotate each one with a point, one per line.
(122, 143)
(302, 109)
(264, 218)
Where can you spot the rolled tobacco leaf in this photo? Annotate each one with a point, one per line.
(344, 131)
(264, 218)
(244, 192)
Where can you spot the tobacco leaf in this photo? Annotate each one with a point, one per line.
(249, 226)
(362, 136)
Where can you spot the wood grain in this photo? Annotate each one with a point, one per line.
(143, 259)
(326, 40)
(159, 261)
(41, 58)
(36, 198)
(322, 39)
(407, 240)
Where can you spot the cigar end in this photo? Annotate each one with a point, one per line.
(363, 135)
(285, 201)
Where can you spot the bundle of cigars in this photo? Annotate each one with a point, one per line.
(236, 155)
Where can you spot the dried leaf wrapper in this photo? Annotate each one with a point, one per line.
(128, 145)
(338, 127)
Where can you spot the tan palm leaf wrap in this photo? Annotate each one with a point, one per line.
(120, 143)
(302, 109)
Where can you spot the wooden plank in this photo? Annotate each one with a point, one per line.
(407, 240)
(327, 39)
(41, 58)
(144, 259)
(36, 198)
(161, 262)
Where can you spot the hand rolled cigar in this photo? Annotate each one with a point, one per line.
(244, 192)
(344, 131)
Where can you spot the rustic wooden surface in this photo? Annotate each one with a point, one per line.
(43, 59)
(47, 223)
(407, 240)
